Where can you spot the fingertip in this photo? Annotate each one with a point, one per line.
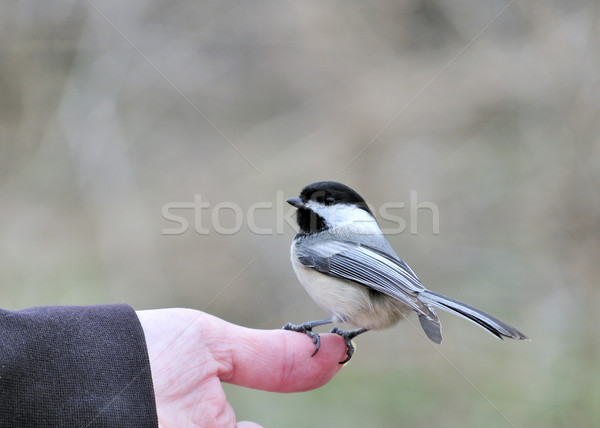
(332, 345)
(280, 360)
(305, 371)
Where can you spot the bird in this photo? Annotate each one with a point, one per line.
(347, 266)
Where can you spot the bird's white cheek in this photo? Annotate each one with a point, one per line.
(354, 220)
(347, 217)
(365, 227)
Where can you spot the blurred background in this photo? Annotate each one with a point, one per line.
(115, 117)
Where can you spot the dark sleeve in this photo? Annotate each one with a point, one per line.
(75, 366)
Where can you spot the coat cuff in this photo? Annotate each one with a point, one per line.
(75, 366)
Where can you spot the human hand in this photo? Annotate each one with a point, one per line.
(192, 352)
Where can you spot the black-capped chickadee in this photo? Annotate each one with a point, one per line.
(350, 270)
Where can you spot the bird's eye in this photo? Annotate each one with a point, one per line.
(329, 200)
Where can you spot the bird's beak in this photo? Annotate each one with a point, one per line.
(296, 202)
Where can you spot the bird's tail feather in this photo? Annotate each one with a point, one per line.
(488, 322)
(432, 327)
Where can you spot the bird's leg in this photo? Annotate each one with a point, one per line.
(348, 335)
(306, 328)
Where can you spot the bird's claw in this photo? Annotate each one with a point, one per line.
(306, 328)
(348, 335)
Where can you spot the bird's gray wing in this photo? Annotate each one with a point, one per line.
(367, 266)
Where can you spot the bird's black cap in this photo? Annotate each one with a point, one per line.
(332, 192)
